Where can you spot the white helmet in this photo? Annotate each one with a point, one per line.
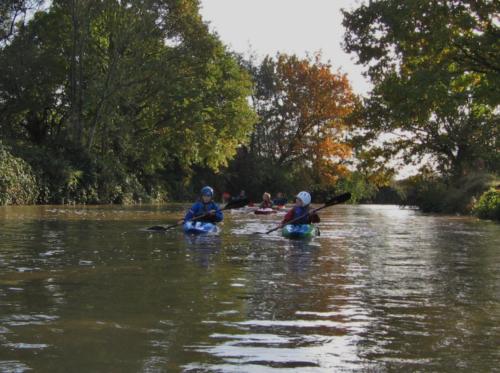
(304, 197)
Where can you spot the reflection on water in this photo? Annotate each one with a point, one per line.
(87, 288)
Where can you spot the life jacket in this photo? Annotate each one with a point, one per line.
(200, 209)
(299, 211)
(266, 205)
(205, 208)
(296, 212)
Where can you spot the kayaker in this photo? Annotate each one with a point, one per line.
(280, 199)
(226, 197)
(205, 206)
(266, 201)
(302, 207)
(243, 195)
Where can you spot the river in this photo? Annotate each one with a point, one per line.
(86, 288)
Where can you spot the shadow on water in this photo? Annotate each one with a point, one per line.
(382, 289)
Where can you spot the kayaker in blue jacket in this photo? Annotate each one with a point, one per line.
(302, 207)
(205, 207)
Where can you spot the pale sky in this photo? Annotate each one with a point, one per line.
(289, 26)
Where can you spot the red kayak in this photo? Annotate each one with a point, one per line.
(265, 211)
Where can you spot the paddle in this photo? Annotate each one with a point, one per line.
(334, 201)
(236, 204)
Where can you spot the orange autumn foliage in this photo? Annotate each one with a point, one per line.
(303, 107)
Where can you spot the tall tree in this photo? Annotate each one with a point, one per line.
(436, 75)
(138, 88)
(302, 107)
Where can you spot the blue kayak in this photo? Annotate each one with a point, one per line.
(199, 227)
(299, 231)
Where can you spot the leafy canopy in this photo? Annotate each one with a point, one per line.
(128, 89)
(302, 106)
(436, 75)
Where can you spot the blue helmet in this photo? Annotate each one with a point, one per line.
(207, 191)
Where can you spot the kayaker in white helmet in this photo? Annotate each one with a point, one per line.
(301, 207)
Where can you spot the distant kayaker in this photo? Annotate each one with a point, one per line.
(266, 201)
(280, 199)
(226, 197)
(241, 196)
(205, 207)
(302, 207)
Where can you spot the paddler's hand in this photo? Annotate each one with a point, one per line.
(180, 221)
(212, 212)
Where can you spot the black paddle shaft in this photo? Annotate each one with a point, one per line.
(334, 201)
(230, 205)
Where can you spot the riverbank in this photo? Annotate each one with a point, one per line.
(20, 184)
(476, 194)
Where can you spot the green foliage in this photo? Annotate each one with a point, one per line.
(428, 193)
(255, 174)
(78, 177)
(118, 101)
(12, 13)
(359, 186)
(433, 193)
(388, 195)
(488, 206)
(18, 184)
(436, 76)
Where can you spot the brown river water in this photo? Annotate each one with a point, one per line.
(382, 289)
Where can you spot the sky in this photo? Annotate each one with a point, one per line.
(288, 26)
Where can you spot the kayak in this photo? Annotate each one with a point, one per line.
(199, 227)
(299, 231)
(265, 211)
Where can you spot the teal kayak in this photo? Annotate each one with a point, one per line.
(299, 231)
(199, 227)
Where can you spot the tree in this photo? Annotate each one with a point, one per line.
(436, 75)
(129, 90)
(302, 107)
(13, 12)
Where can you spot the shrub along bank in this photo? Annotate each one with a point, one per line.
(18, 183)
(488, 206)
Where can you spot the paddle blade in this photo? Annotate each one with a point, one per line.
(236, 204)
(270, 230)
(341, 198)
(163, 228)
(156, 228)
